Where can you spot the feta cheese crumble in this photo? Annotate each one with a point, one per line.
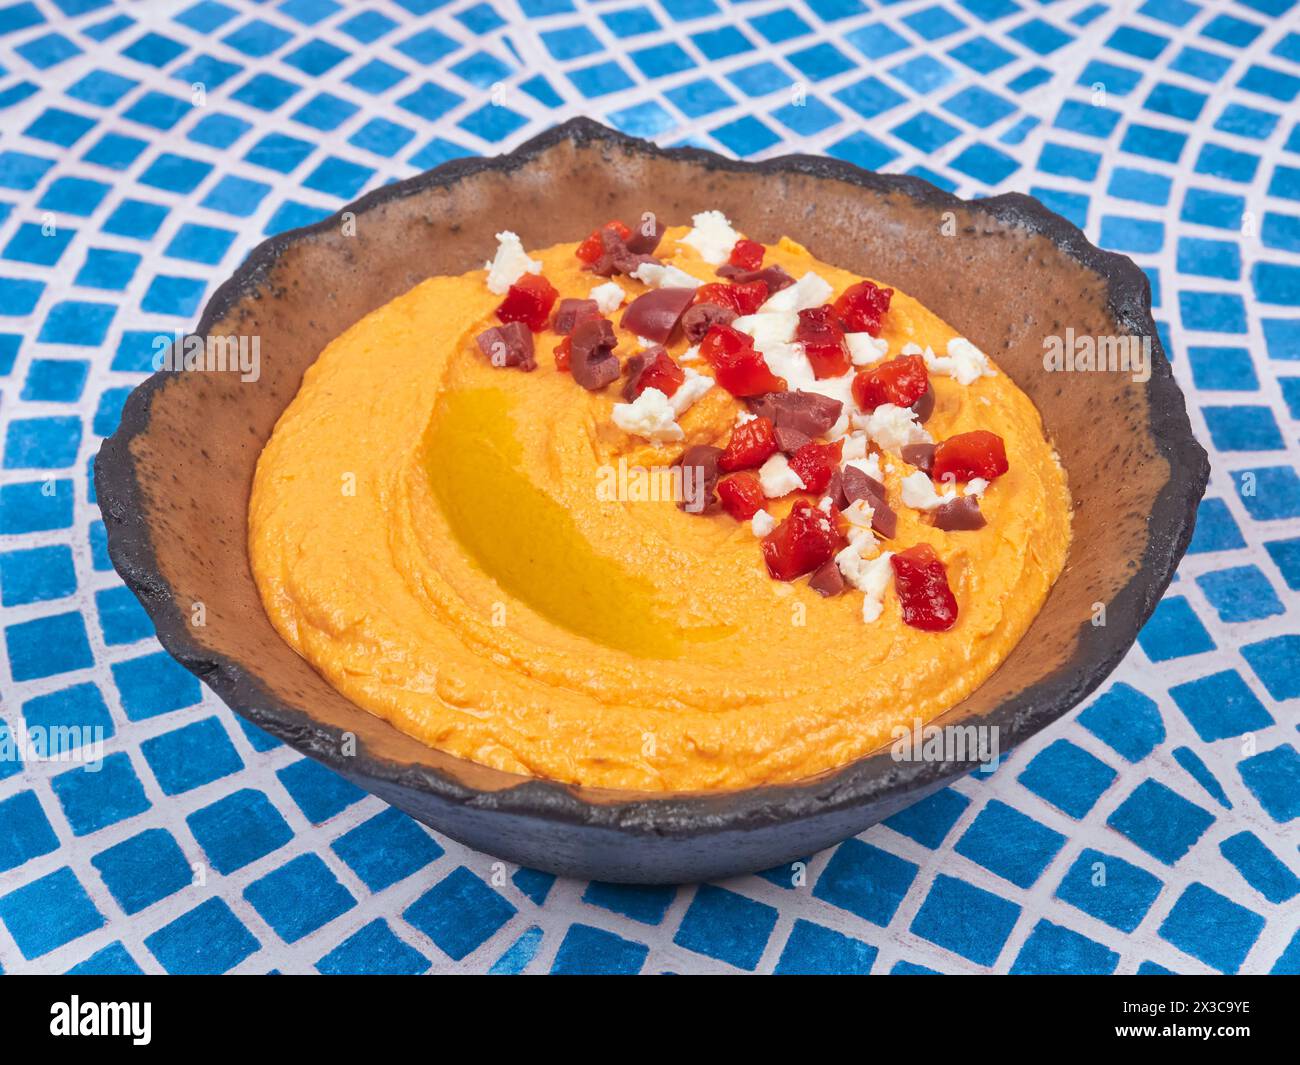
(657, 275)
(868, 575)
(855, 447)
(691, 389)
(874, 580)
(859, 513)
(964, 362)
(870, 465)
(712, 236)
(919, 494)
(691, 354)
(865, 349)
(650, 415)
(509, 264)
(762, 523)
(893, 427)
(811, 290)
(777, 478)
(975, 486)
(768, 329)
(608, 297)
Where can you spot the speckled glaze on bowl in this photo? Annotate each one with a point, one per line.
(174, 481)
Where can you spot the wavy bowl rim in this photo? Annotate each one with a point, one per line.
(1098, 649)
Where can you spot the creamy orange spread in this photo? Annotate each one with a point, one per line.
(429, 532)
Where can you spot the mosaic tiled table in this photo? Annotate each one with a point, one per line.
(146, 147)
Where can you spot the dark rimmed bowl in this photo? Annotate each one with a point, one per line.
(173, 482)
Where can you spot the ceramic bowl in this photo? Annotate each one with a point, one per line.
(173, 482)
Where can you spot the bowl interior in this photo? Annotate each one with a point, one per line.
(993, 270)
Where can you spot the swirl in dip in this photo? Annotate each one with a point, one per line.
(474, 543)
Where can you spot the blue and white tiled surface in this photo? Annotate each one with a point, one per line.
(146, 147)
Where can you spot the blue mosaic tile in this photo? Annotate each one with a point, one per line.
(1109, 889)
(238, 829)
(724, 925)
(1211, 928)
(965, 919)
(459, 914)
(204, 941)
(1160, 821)
(299, 897)
(585, 949)
(374, 950)
(814, 949)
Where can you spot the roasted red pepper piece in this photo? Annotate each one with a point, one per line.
(590, 249)
(751, 445)
(747, 254)
(816, 464)
(738, 367)
(901, 381)
(968, 455)
(923, 593)
(742, 298)
(806, 540)
(529, 301)
(662, 373)
(741, 496)
(861, 307)
(823, 341)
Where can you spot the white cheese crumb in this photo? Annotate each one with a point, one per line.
(964, 362)
(712, 236)
(913, 348)
(855, 447)
(860, 513)
(745, 416)
(510, 263)
(874, 580)
(975, 486)
(691, 389)
(658, 276)
(777, 478)
(869, 576)
(870, 465)
(892, 427)
(643, 343)
(768, 329)
(825, 503)
(650, 415)
(762, 523)
(865, 349)
(608, 297)
(919, 494)
(811, 290)
(691, 354)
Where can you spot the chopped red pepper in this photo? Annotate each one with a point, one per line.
(861, 307)
(742, 298)
(529, 301)
(738, 367)
(816, 463)
(562, 353)
(590, 249)
(662, 373)
(823, 341)
(806, 540)
(747, 254)
(901, 381)
(741, 495)
(751, 444)
(968, 455)
(923, 593)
